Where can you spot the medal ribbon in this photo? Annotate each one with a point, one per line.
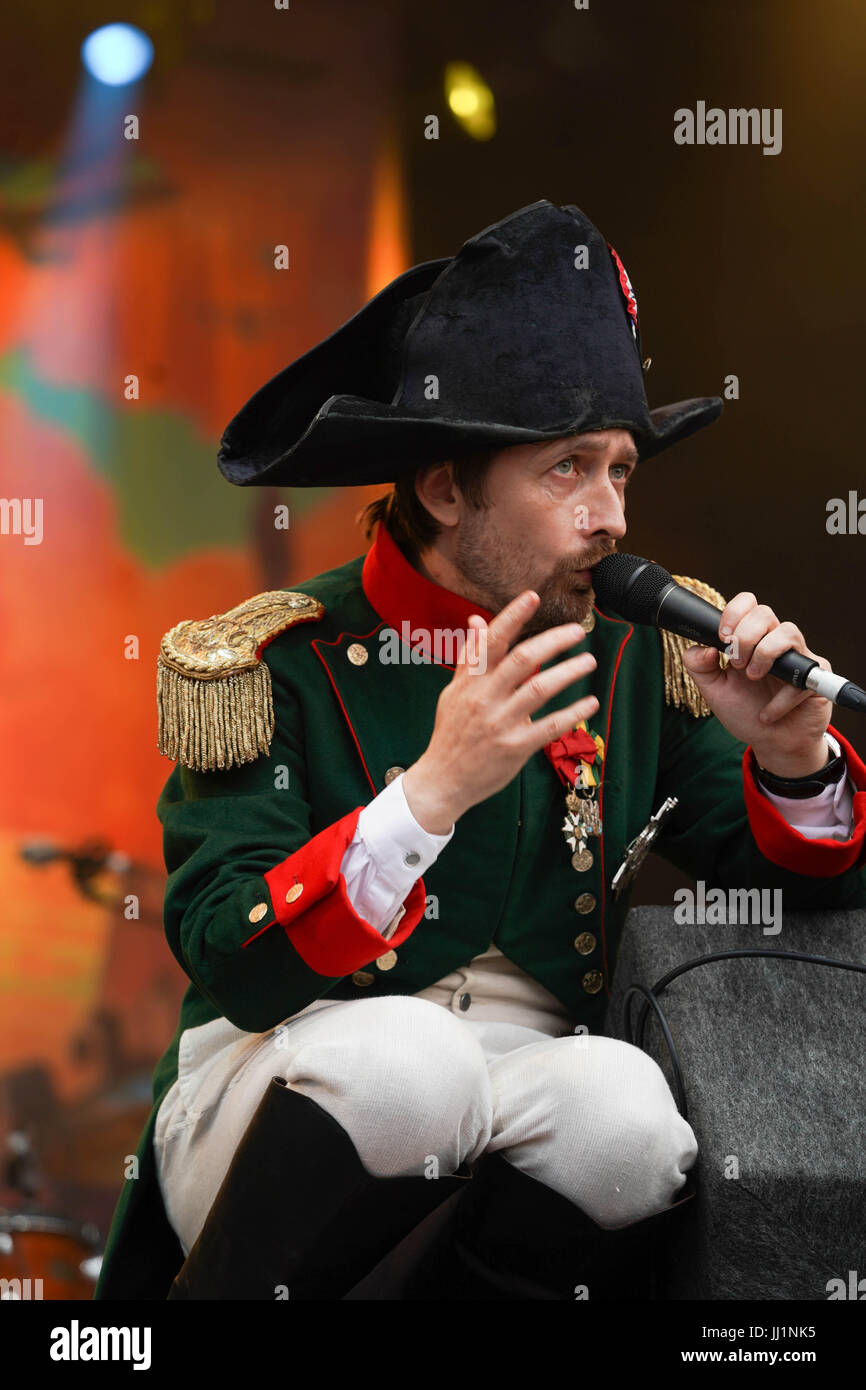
(577, 758)
(579, 750)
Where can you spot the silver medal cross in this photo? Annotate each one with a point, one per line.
(640, 846)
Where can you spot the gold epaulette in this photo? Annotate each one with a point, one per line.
(680, 689)
(213, 690)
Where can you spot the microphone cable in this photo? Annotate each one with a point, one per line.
(636, 1036)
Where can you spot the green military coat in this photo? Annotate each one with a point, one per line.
(257, 949)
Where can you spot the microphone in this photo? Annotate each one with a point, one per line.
(643, 592)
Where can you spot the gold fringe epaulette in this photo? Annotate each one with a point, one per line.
(213, 690)
(680, 689)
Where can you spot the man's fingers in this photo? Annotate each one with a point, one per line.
(751, 630)
(490, 646)
(735, 610)
(785, 637)
(786, 699)
(562, 721)
(472, 654)
(526, 657)
(503, 629)
(701, 659)
(542, 686)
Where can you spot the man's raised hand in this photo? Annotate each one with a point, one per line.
(483, 733)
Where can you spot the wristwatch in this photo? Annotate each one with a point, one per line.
(799, 788)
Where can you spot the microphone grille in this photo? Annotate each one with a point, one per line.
(630, 585)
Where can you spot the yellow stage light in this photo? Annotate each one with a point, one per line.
(471, 100)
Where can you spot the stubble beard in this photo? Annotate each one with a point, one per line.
(497, 574)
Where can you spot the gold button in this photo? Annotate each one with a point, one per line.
(392, 773)
(357, 654)
(258, 912)
(363, 977)
(593, 981)
(585, 903)
(585, 943)
(388, 961)
(589, 622)
(294, 892)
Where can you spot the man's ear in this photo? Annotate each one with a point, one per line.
(436, 489)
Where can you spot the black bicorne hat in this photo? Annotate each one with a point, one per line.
(529, 333)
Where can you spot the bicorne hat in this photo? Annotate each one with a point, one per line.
(529, 333)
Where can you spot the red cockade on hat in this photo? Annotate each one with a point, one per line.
(626, 287)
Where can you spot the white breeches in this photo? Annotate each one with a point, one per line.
(413, 1084)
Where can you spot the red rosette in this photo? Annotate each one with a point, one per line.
(567, 752)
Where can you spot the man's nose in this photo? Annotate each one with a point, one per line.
(601, 511)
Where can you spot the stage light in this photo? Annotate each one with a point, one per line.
(471, 100)
(117, 54)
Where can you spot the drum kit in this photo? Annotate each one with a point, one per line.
(42, 1255)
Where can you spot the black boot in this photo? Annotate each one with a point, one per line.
(298, 1216)
(513, 1237)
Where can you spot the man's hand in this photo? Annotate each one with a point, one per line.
(483, 733)
(784, 726)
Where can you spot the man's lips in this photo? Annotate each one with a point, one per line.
(585, 576)
(582, 579)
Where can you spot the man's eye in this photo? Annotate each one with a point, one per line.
(569, 462)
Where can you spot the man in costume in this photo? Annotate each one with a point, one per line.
(391, 859)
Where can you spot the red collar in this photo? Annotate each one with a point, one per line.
(400, 594)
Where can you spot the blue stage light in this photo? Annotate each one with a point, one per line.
(117, 54)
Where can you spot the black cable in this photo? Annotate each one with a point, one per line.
(663, 1024)
(636, 1037)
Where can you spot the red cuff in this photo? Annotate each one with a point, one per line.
(783, 845)
(320, 921)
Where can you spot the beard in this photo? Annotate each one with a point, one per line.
(495, 574)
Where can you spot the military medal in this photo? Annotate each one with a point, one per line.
(578, 758)
(640, 847)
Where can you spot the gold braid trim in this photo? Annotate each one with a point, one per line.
(213, 691)
(680, 689)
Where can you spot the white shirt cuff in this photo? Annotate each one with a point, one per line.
(388, 853)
